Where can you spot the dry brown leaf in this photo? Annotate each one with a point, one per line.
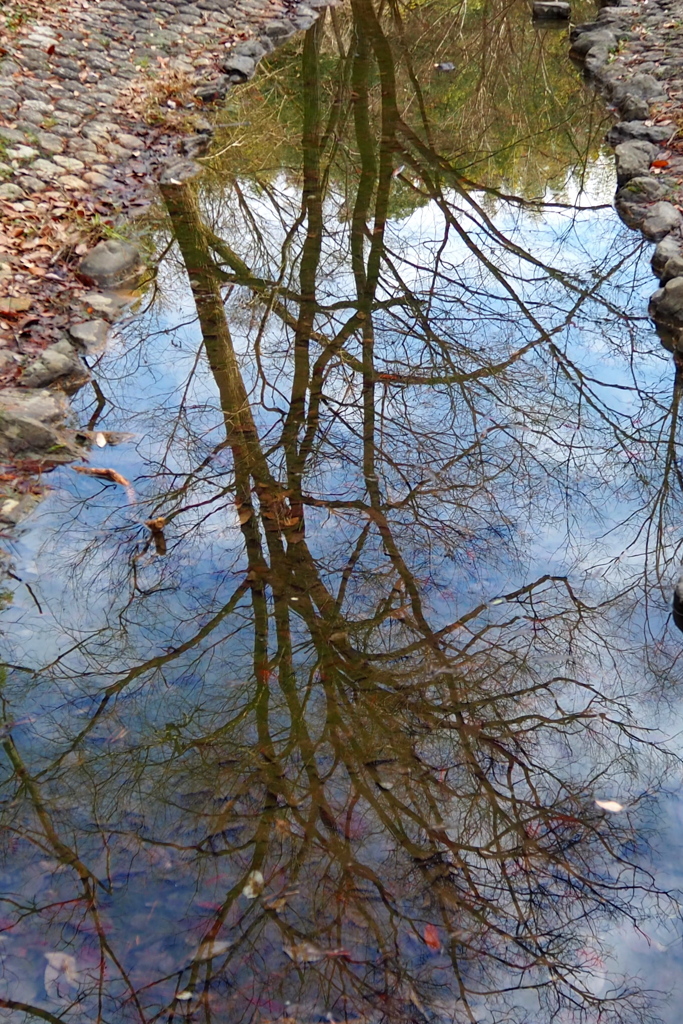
(104, 474)
(245, 515)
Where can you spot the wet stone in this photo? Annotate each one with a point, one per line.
(60, 360)
(110, 263)
(660, 219)
(90, 334)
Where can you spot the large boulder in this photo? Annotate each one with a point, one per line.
(551, 10)
(624, 131)
(666, 305)
(669, 248)
(633, 160)
(29, 422)
(660, 220)
(55, 363)
(111, 263)
(600, 39)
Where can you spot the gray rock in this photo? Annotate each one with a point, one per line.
(666, 305)
(28, 421)
(598, 38)
(660, 220)
(91, 334)
(108, 305)
(177, 171)
(645, 87)
(645, 189)
(633, 108)
(238, 67)
(673, 268)
(58, 361)
(31, 184)
(210, 92)
(251, 48)
(669, 248)
(11, 191)
(633, 160)
(281, 29)
(110, 263)
(625, 131)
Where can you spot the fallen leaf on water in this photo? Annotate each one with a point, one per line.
(659, 163)
(184, 995)
(104, 474)
(61, 973)
(254, 886)
(210, 948)
(157, 527)
(609, 805)
(309, 953)
(100, 439)
(431, 937)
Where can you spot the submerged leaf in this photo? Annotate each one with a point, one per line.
(431, 937)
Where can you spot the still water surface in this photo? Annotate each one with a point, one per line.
(312, 717)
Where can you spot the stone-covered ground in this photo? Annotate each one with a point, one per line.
(634, 53)
(97, 99)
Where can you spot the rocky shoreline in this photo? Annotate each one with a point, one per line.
(97, 102)
(632, 53)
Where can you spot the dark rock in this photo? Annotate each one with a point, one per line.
(626, 131)
(660, 220)
(213, 91)
(673, 268)
(279, 29)
(110, 263)
(633, 159)
(669, 248)
(552, 10)
(666, 305)
(251, 48)
(58, 361)
(177, 171)
(599, 38)
(90, 334)
(643, 86)
(238, 67)
(28, 422)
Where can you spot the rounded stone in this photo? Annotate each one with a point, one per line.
(110, 263)
(660, 220)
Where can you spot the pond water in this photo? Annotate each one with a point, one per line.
(357, 698)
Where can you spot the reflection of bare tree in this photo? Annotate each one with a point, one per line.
(410, 772)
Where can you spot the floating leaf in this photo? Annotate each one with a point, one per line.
(254, 886)
(431, 937)
(100, 440)
(309, 953)
(104, 474)
(609, 805)
(184, 995)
